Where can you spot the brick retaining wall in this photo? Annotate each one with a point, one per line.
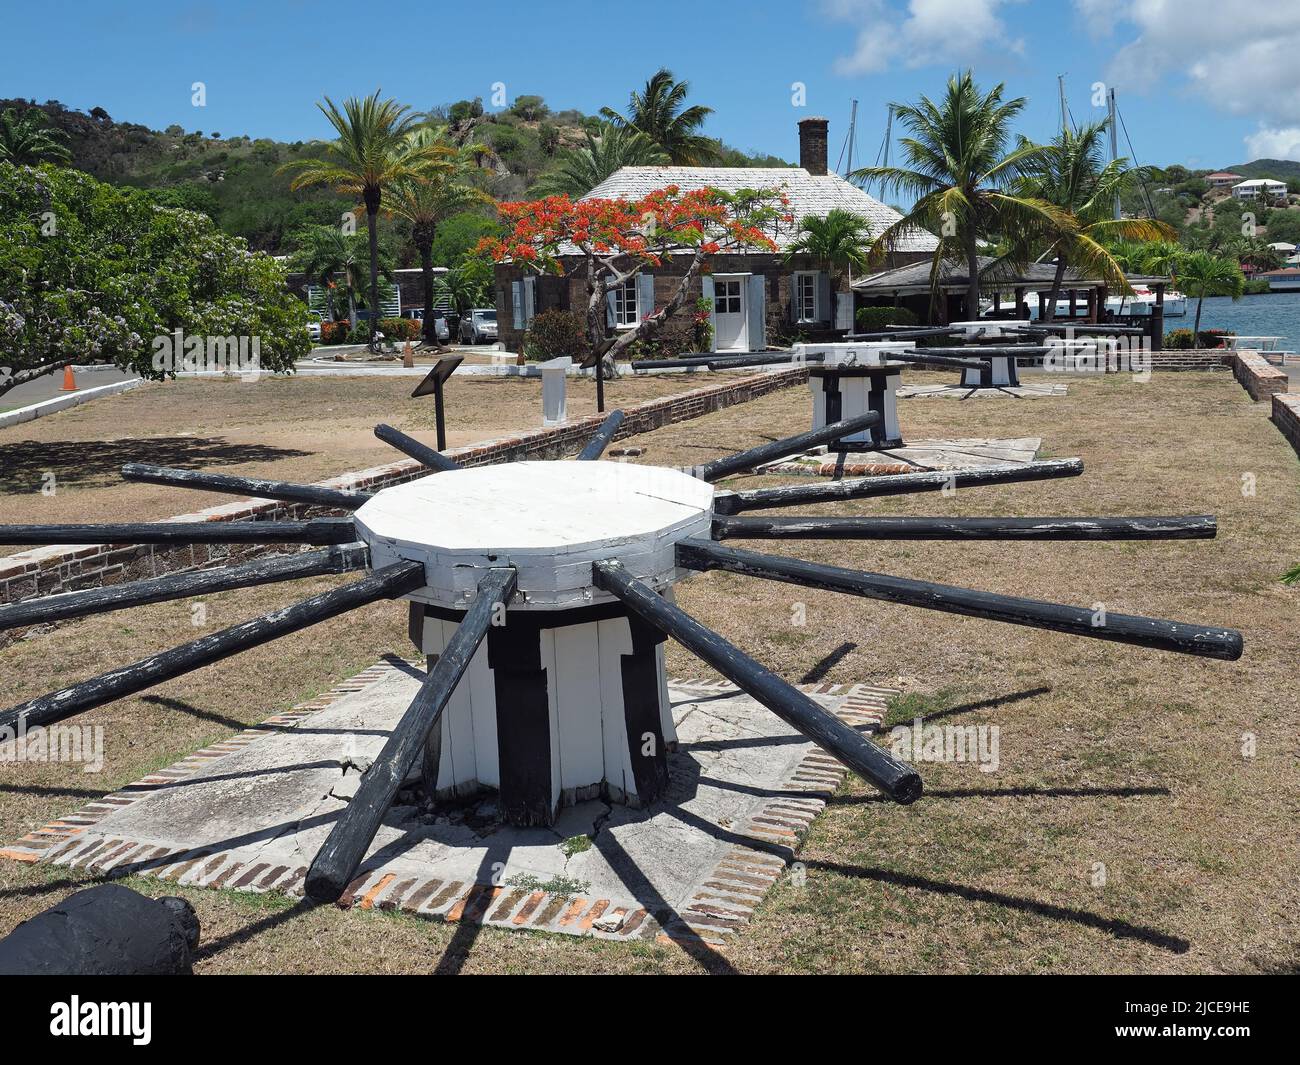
(1286, 416)
(1189, 359)
(1258, 376)
(60, 568)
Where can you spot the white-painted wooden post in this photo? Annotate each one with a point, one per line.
(554, 384)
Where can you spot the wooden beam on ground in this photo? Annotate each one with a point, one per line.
(317, 531)
(387, 583)
(595, 447)
(344, 849)
(1191, 527)
(422, 453)
(337, 559)
(1202, 640)
(249, 486)
(896, 779)
(891, 485)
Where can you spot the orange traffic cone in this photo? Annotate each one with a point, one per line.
(69, 381)
(408, 356)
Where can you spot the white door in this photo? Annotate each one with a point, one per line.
(729, 317)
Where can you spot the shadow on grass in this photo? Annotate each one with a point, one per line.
(83, 462)
(1008, 793)
(1110, 925)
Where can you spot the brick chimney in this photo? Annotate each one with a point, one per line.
(812, 145)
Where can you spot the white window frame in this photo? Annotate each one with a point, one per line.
(625, 304)
(799, 306)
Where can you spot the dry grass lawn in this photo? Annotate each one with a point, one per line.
(1111, 757)
(289, 428)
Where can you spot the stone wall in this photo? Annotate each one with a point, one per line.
(59, 568)
(1286, 416)
(1258, 376)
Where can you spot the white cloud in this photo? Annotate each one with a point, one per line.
(923, 33)
(1244, 66)
(1268, 143)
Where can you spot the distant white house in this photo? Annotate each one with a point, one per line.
(1259, 188)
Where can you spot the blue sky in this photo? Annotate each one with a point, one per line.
(1179, 66)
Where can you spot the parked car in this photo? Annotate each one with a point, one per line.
(441, 330)
(313, 326)
(479, 326)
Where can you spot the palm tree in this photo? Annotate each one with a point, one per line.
(1073, 176)
(425, 204)
(1202, 274)
(613, 148)
(27, 139)
(960, 176)
(840, 241)
(660, 113)
(370, 154)
(330, 258)
(467, 285)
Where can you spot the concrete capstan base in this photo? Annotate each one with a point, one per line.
(567, 698)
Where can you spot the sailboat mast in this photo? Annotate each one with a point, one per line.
(853, 125)
(1060, 86)
(1114, 141)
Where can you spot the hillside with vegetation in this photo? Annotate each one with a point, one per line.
(235, 180)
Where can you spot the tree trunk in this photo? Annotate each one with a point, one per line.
(1196, 329)
(372, 227)
(352, 310)
(1050, 311)
(973, 281)
(425, 244)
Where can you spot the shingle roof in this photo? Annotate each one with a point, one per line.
(953, 275)
(808, 194)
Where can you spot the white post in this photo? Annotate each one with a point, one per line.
(554, 398)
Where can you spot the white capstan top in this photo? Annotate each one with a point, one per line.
(550, 520)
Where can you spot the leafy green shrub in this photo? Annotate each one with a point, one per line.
(359, 335)
(1181, 339)
(555, 333)
(874, 319)
(333, 332)
(400, 329)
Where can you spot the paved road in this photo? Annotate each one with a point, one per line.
(51, 385)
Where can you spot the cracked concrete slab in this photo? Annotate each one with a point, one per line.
(251, 812)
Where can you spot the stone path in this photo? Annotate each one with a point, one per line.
(249, 813)
(917, 455)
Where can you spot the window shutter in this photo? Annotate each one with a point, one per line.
(757, 312)
(609, 308)
(706, 284)
(517, 303)
(792, 304)
(825, 312)
(645, 295)
(530, 298)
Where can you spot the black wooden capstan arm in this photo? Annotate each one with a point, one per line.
(422, 453)
(1203, 640)
(250, 486)
(386, 583)
(595, 447)
(790, 445)
(1192, 527)
(337, 861)
(342, 558)
(317, 531)
(896, 779)
(892, 484)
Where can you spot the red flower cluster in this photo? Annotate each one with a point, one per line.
(707, 220)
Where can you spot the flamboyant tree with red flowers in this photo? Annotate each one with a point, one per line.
(611, 241)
